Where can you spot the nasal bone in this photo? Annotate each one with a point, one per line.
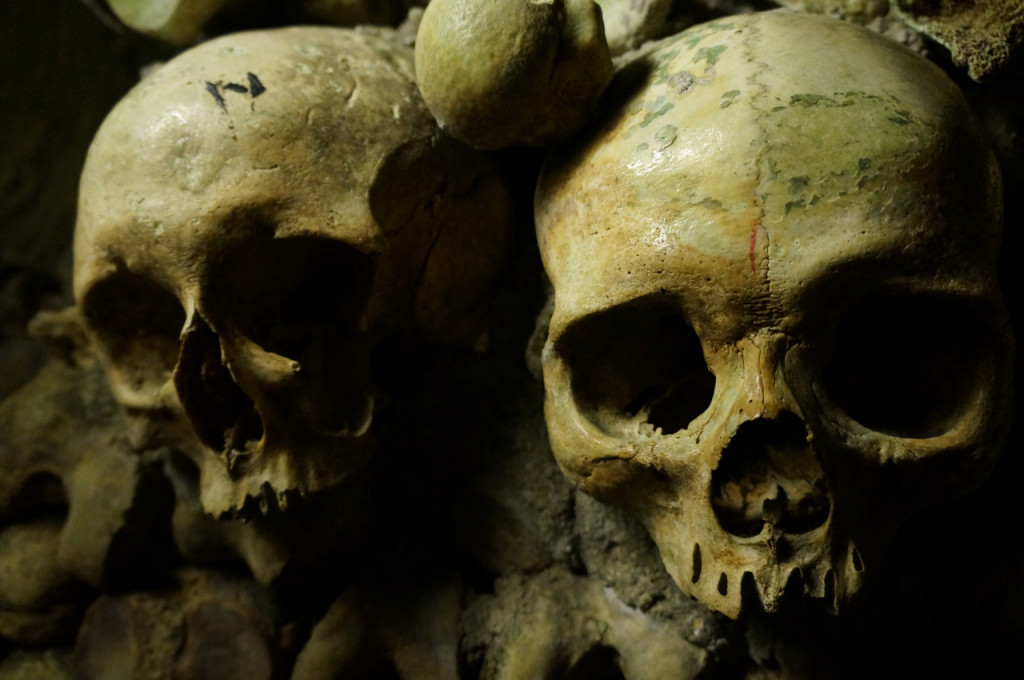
(767, 394)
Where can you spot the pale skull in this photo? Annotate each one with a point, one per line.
(252, 217)
(777, 330)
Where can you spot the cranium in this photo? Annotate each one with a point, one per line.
(776, 329)
(252, 217)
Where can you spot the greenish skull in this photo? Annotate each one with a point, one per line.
(777, 330)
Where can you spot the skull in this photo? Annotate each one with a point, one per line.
(252, 218)
(776, 328)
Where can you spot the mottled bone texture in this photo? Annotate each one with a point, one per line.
(252, 218)
(776, 329)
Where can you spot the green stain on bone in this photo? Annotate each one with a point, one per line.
(664, 70)
(709, 54)
(704, 31)
(666, 136)
(728, 98)
(659, 107)
(805, 99)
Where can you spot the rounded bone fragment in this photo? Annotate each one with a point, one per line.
(630, 23)
(29, 571)
(556, 624)
(41, 601)
(63, 451)
(204, 625)
(777, 330)
(410, 626)
(500, 73)
(174, 21)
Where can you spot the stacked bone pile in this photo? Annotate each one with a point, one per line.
(289, 431)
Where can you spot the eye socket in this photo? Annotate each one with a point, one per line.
(138, 324)
(284, 293)
(908, 366)
(640, 361)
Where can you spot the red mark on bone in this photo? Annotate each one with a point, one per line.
(753, 246)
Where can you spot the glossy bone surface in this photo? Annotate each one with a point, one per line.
(776, 329)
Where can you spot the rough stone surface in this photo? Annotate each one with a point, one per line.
(47, 664)
(859, 11)
(981, 36)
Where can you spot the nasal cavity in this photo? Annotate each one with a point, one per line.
(770, 474)
(222, 415)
